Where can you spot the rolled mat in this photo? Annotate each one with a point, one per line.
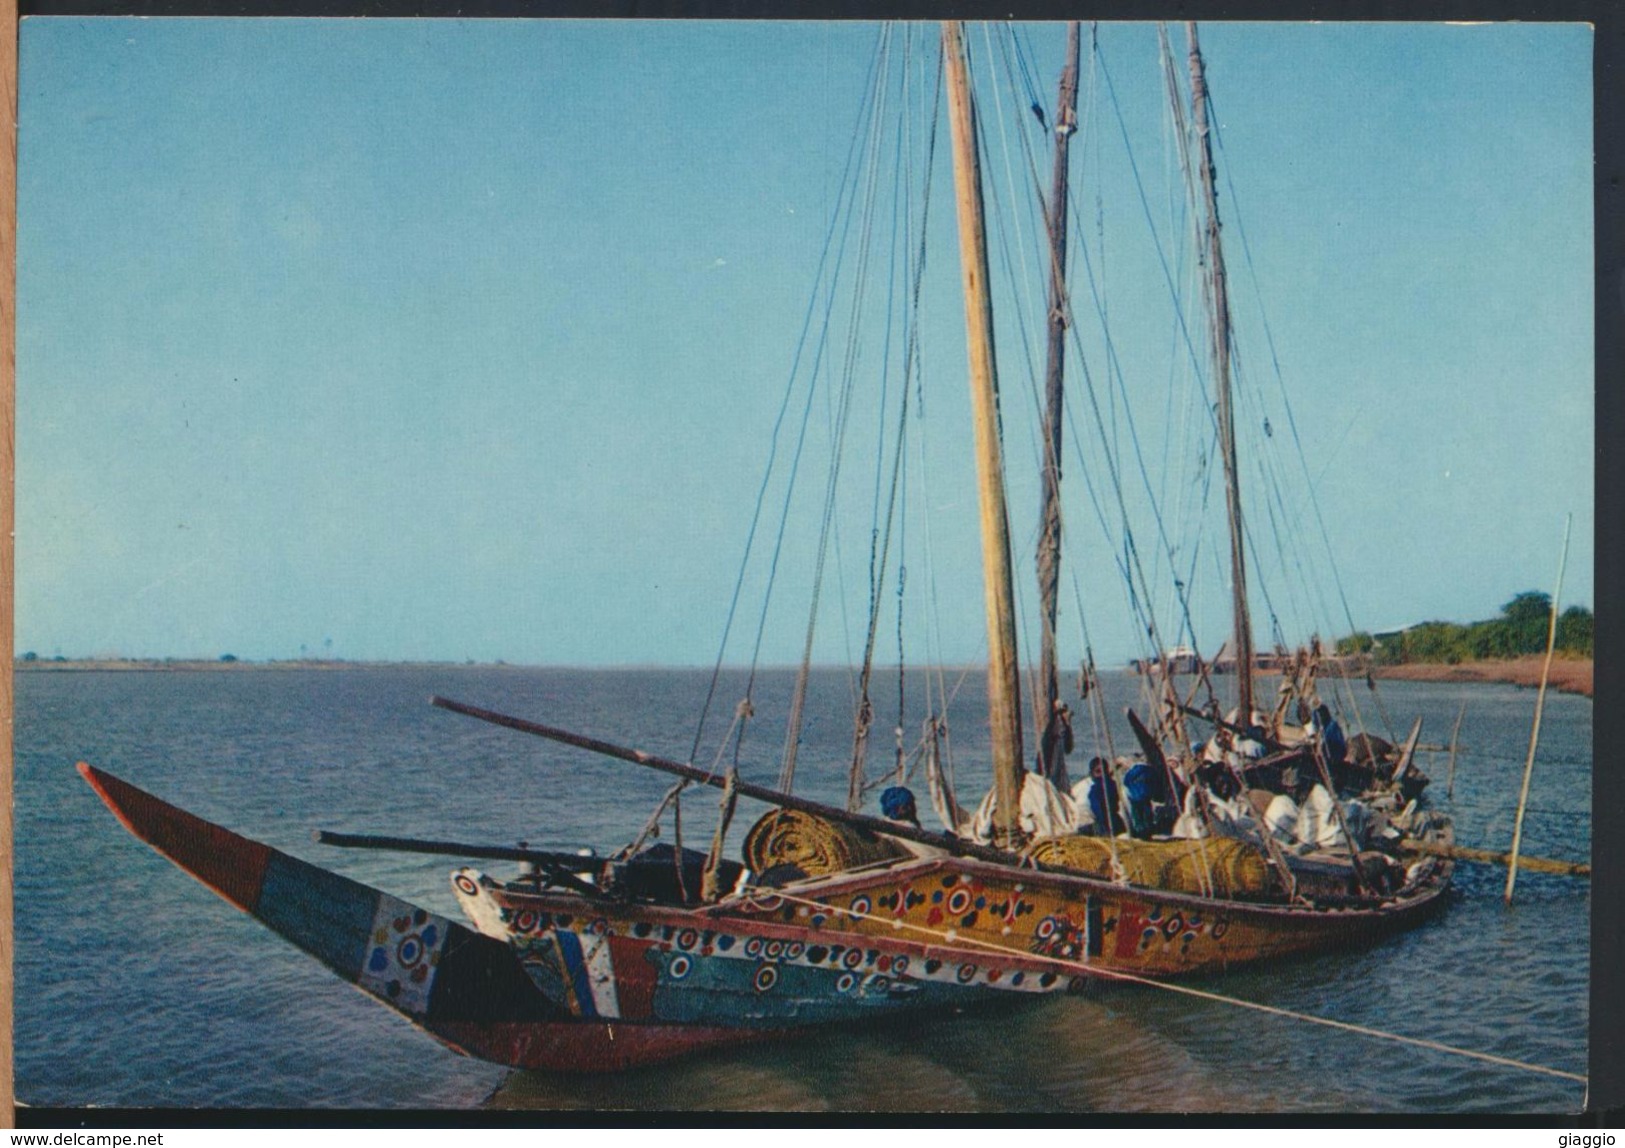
(1220, 865)
(815, 846)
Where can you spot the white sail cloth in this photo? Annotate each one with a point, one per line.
(949, 813)
(1045, 811)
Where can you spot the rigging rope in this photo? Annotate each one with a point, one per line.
(829, 236)
(1115, 364)
(1292, 422)
(1140, 598)
(1310, 483)
(877, 576)
(793, 732)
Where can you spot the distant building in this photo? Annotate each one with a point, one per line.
(1179, 659)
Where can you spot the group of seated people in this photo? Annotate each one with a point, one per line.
(1241, 782)
(1145, 802)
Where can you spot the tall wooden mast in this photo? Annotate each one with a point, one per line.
(1003, 672)
(1051, 744)
(1221, 361)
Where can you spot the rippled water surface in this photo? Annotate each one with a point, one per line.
(135, 986)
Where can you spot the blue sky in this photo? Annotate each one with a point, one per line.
(446, 340)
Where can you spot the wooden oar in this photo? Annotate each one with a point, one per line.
(1486, 857)
(1205, 715)
(1540, 705)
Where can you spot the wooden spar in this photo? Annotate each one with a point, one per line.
(1052, 739)
(561, 867)
(1462, 853)
(1540, 705)
(1237, 728)
(1450, 785)
(571, 861)
(744, 788)
(943, 841)
(954, 845)
(1003, 671)
(1221, 361)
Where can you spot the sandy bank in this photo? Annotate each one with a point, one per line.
(1570, 675)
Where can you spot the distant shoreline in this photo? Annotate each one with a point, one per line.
(206, 665)
(188, 665)
(1569, 675)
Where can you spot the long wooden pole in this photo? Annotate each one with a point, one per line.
(954, 845)
(1003, 671)
(744, 788)
(1243, 639)
(1051, 744)
(576, 863)
(1540, 705)
(1487, 857)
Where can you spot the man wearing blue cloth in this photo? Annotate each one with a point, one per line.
(1103, 803)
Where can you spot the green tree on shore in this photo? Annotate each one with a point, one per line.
(1528, 616)
(1575, 628)
(1520, 629)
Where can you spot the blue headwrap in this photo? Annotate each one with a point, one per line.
(897, 803)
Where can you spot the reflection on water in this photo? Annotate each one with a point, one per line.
(137, 987)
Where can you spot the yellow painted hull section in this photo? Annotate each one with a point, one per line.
(1102, 927)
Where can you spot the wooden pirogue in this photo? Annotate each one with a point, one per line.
(598, 981)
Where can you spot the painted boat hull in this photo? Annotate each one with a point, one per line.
(466, 990)
(1102, 929)
(561, 981)
(646, 962)
(980, 926)
(590, 987)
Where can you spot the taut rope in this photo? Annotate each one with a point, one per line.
(1201, 994)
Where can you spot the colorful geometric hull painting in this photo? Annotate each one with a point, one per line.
(559, 980)
(670, 986)
(406, 945)
(642, 962)
(983, 928)
(467, 990)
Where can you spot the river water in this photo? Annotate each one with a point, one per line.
(135, 986)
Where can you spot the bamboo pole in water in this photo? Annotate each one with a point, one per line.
(1488, 857)
(1450, 785)
(1540, 705)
